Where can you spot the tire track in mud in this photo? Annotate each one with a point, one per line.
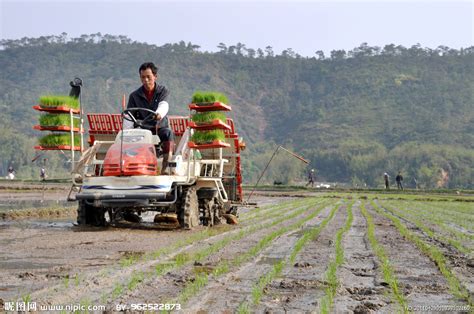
(230, 291)
(418, 276)
(173, 283)
(459, 263)
(97, 282)
(362, 289)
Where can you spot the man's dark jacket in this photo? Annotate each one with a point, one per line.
(138, 99)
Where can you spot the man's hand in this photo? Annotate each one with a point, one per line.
(158, 117)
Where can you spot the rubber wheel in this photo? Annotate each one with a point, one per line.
(218, 213)
(88, 215)
(208, 214)
(190, 209)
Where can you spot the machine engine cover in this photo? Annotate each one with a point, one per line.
(137, 159)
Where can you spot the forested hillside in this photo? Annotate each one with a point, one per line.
(354, 114)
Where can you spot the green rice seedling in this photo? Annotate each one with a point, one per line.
(58, 139)
(161, 269)
(76, 280)
(191, 289)
(129, 260)
(51, 101)
(85, 304)
(432, 252)
(26, 298)
(137, 278)
(117, 291)
(223, 268)
(387, 269)
(257, 290)
(206, 117)
(203, 137)
(311, 235)
(57, 120)
(66, 281)
(182, 259)
(243, 308)
(331, 277)
(204, 97)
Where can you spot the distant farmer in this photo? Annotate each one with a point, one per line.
(399, 179)
(386, 179)
(43, 174)
(154, 97)
(415, 182)
(11, 173)
(310, 178)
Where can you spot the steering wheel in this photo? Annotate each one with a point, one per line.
(145, 123)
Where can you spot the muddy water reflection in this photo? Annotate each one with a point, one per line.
(12, 204)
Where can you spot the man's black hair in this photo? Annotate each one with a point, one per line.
(148, 65)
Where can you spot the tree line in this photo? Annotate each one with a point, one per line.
(354, 114)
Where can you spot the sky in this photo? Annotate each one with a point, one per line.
(305, 26)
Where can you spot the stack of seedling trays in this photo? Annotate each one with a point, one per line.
(58, 117)
(208, 120)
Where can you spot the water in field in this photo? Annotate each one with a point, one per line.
(12, 204)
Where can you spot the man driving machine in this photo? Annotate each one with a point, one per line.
(153, 97)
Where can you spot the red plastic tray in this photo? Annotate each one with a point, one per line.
(56, 109)
(59, 147)
(55, 128)
(215, 124)
(217, 106)
(214, 144)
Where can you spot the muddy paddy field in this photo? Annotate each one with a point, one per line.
(297, 251)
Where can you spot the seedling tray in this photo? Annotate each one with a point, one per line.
(213, 144)
(213, 125)
(63, 128)
(216, 106)
(57, 147)
(56, 109)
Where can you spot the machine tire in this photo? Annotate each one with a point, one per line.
(88, 215)
(218, 213)
(190, 209)
(208, 212)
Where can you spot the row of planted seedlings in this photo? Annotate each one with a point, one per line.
(179, 255)
(436, 211)
(432, 252)
(387, 269)
(309, 235)
(225, 266)
(448, 212)
(454, 212)
(186, 258)
(331, 273)
(127, 266)
(428, 226)
(172, 257)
